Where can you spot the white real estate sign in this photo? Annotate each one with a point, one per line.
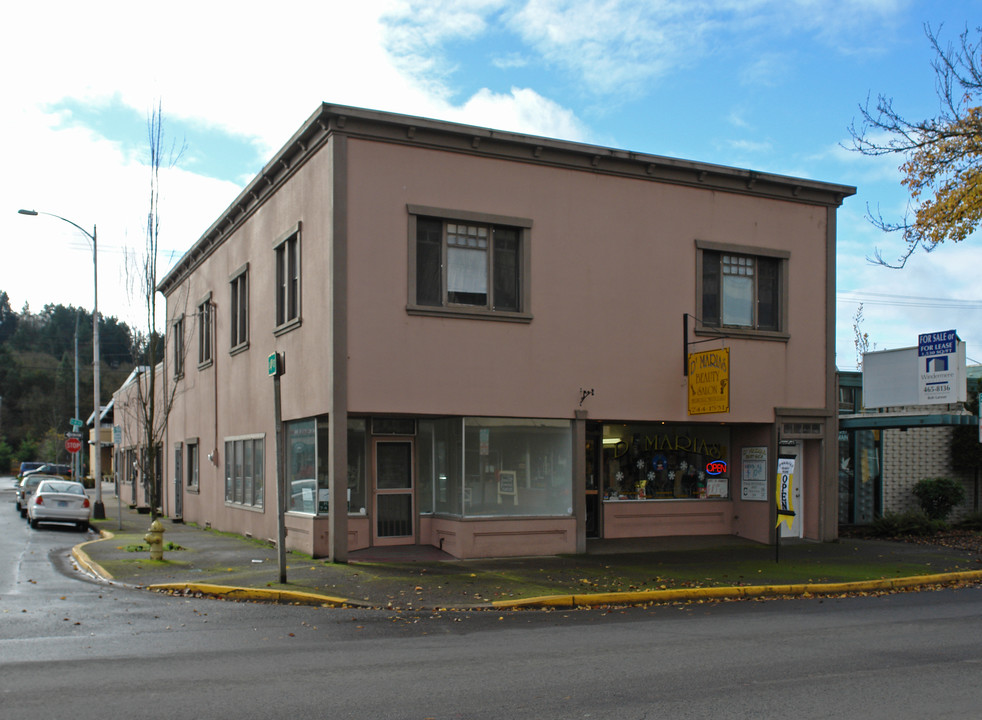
(922, 375)
(937, 359)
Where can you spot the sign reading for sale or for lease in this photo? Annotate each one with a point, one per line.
(936, 361)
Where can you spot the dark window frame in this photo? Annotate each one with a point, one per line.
(239, 310)
(245, 490)
(192, 467)
(709, 302)
(177, 333)
(288, 290)
(501, 230)
(206, 338)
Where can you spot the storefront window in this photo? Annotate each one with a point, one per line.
(424, 468)
(438, 446)
(357, 442)
(860, 479)
(494, 467)
(308, 470)
(664, 462)
(301, 457)
(323, 469)
(517, 467)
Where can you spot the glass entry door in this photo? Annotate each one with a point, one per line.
(394, 521)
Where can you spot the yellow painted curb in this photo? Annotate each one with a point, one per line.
(87, 563)
(243, 593)
(716, 593)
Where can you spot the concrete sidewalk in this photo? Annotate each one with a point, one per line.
(612, 572)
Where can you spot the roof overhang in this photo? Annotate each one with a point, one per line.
(359, 123)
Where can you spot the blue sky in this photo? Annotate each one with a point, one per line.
(769, 85)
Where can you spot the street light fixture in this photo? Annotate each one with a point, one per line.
(98, 510)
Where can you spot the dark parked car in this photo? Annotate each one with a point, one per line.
(62, 471)
(26, 467)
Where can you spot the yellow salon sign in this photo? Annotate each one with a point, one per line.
(709, 382)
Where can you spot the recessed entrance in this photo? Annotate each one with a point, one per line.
(394, 521)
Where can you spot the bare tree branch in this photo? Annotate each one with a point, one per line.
(941, 155)
(152, 397)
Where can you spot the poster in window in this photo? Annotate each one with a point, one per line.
(507, 486)
(753, 475)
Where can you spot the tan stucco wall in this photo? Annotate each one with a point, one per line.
(613, 269)
(613, 266)
(244, 397)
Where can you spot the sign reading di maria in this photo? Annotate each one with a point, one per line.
(709, 382)
(937, 362)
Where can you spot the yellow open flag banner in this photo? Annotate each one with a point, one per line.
(785, 502)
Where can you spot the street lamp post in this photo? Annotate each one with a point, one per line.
(98, 510)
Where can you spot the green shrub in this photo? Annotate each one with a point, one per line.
(6, 458)
(912, 522)
(939, 496)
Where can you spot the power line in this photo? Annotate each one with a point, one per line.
(874, 298)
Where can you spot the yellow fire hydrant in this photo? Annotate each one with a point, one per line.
(155, 539)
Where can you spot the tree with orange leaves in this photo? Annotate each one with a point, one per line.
(942, 155)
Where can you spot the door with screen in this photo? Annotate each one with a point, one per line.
(394, 518)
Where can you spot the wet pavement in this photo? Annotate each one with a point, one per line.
(612, 572)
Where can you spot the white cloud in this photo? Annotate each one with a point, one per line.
(749, 146)
(612, 46)
(509, 61)
(736, 119)
(246, 68)
(766, 69)
(257, 71)
(523, 111)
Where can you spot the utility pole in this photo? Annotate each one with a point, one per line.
(98, 510)
(77, 460)
(276, 367)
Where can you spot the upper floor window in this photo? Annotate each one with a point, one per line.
(177, 335)
(288, 280)
(204, 331)
(468, 263)
(239, 309)
(743, 288)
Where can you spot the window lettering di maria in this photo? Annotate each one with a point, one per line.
(667, 443)
(648, 462)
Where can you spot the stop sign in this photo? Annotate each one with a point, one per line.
(73, 445)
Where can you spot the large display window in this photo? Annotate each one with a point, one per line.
(301, 466)
(495, 467)
(665, 462)
(308, 472)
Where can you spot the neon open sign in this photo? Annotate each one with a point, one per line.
(716, 467)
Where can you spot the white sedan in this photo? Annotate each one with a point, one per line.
(59, 501)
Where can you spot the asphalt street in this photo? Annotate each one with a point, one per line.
(74, 646)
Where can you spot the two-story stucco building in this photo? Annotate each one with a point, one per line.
(488, 337)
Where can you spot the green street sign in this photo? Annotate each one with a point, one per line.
(75, 422)
(271, 365)
(276, 365)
